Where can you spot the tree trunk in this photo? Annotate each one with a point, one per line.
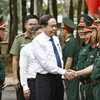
(79, 7)
(23, 14)
(85, 8)
(71, 13)
(48, 10)
(66, 7)
(13, 22)
(31, 7)
(50, 6)
(10, 27)
(54, 8)
(40, 8)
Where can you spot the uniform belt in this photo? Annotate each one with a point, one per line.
(86, 81)
(95, 82)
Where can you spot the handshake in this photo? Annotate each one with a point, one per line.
(70, 74)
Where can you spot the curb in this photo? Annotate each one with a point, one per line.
(9, 81)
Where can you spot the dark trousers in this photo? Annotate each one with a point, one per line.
(19, 93)
(31, 84)
(49, 87)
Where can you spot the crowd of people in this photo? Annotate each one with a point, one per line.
(43, 70)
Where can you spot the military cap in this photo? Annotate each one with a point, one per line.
(95, 17)
(35, 28)
(2, 26)
(81, 23)
(98, 19)
(88, 20)
(87, 29)
(68, 24)
(94, 25)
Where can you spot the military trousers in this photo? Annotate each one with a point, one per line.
(86, 91)
(96, 92)
(72, 89)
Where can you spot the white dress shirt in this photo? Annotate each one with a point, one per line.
(27, 68)
(45, 58)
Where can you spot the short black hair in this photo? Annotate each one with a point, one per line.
(31, 17)
(35, 28)
(44, 19)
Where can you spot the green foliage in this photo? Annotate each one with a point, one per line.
(60, 8)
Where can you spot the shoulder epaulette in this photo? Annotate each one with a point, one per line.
(19, 35)
(67, 40)
(94, 46)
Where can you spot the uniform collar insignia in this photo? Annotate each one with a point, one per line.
(98, 45)
(94, 45)
(67, 39)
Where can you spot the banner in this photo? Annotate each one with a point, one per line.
(93, 6)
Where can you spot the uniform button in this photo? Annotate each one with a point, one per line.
(87, 59)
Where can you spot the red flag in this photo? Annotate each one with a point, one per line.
(93, 6)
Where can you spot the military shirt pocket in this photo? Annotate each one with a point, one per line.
(85, 52)
(91, 58)
(98, 61)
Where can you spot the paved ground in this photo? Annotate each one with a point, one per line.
(9, 94)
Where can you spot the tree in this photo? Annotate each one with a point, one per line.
(23, 14)
(71, 12)
(79, 7)
(31, 7)
(50, 6)
(13, 22)
(54, 8)
(40, 8)
(66, 7)
(85, 8)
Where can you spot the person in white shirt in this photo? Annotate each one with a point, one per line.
(47, 50)
(27, 69)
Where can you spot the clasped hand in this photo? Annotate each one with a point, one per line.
(70, 74)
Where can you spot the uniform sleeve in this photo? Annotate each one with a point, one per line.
(70, 48)
(15, 49)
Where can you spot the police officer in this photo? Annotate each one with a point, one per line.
(70, 54)
(2, 71)
(19, 42)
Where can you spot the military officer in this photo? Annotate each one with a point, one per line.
(95, 76)
(19, 42)
(86, 58)
(2, 71)
(70, 54)
(83, 20)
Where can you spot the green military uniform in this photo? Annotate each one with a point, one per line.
(86, 58)
(2, 74)
(2, 70)
(71, 49)
(19, 42)
(95, 76)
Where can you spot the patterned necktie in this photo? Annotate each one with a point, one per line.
(56, 53)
